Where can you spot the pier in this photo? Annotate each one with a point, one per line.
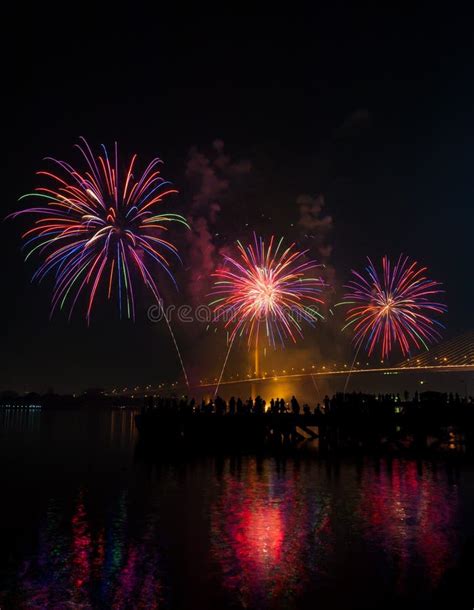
(352, 423)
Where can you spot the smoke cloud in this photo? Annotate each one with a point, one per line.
(211, 178)
(315, 224)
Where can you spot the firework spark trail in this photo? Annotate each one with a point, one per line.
(394, 309)
(168, 323)
(315, 385)
(267, 286)
(223, 366)
(98, 225)
(346, 383)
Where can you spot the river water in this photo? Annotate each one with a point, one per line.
(89, 523)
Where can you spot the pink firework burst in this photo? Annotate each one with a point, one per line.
(396, 308)
(99, 228)
(269, 286)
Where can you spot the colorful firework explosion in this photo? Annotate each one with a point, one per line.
(99, 225)
(393, 309)
(267, 286)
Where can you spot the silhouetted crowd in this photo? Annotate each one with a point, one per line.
(337, 404)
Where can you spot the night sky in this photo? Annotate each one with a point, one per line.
(373, 111)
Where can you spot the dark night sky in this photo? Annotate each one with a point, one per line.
(372, 109)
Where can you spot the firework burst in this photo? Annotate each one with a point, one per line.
(396, 308)
(267, 286)
(99, 229)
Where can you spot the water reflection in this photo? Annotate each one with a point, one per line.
(265, 531)
(84, 525)
(409, 512)
(19, 421)
(82, 564)
(279, 537)
(123, 432)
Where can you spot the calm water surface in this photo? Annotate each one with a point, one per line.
(88, 523)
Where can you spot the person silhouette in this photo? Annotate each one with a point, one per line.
(295, 407)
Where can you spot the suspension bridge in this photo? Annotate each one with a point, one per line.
(453, 355)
